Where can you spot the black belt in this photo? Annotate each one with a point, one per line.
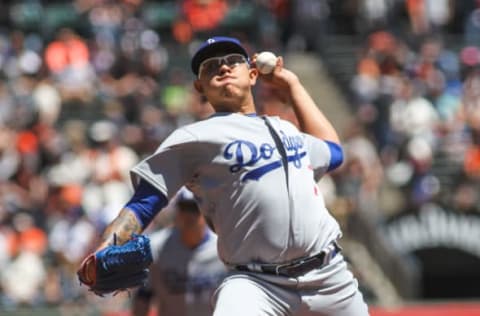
(296, 267)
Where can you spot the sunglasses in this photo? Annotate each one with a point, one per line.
(211, 65)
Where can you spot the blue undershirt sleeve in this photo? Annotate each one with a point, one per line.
(336, 155)
(146, 202)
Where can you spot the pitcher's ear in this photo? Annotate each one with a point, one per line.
(253, 74)
(198, 86)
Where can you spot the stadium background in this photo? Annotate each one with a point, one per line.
(90, 87)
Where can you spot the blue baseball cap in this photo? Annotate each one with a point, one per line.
(213, 46)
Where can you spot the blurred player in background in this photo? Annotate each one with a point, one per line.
(186, 268)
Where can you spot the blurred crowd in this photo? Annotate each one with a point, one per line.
(414, 139)
(86, 94)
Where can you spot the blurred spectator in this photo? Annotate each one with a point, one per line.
(47, 102)
(428, 16)
(24, 276)
(372, 14)
(365, 84)
(360, 177)
(447, 99)
(175, 93)
(106, 20)
(309, 21)
(471, 99)
(72, 234)
(9, 156)
(68, 59)
(204, 15)
(109, 161)
(469, 61)
(411, 114)
(472, 25)
(19, 58)
(439, 13)
(466, 198)
(416, 10)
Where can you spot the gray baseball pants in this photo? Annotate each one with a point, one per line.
(329, 291)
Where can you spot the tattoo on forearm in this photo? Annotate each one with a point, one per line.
(121, 229)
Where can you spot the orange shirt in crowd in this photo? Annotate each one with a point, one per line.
(472, 161)
(204, 15)
(60, 54)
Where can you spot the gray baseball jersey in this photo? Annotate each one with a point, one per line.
(184, 279)
(231, 164)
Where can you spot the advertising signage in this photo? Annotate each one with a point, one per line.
(446, 247)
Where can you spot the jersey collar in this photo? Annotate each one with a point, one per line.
(253, 114)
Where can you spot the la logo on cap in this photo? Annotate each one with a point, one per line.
(210, 41)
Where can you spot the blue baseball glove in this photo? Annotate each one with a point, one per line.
(117, 267)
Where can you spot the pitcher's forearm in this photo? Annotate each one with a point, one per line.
(121, 229)
(310, 118)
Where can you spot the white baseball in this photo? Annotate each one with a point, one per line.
(266, 62)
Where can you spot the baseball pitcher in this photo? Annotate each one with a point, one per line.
(254, 178)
